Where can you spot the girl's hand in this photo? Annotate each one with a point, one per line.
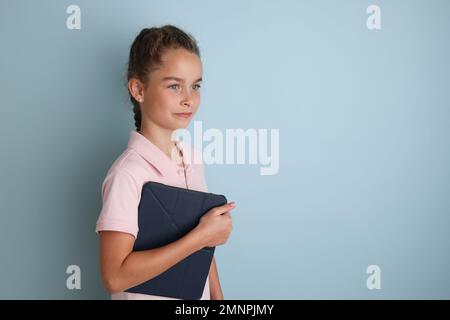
(215, 226)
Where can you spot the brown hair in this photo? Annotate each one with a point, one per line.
(145, 55)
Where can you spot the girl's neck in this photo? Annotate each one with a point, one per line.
(160, 137)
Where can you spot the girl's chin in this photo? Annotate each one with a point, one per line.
(180, 125)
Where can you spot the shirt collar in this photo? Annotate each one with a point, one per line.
(155, 156)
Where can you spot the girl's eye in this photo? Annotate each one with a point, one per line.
(196, 86)
(174, 86)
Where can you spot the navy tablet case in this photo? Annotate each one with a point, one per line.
(165, 214)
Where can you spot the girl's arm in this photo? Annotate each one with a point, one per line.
(121, 268)
(214, 283)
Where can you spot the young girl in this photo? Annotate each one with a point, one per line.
(164, 77)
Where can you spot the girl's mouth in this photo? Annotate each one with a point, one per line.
(184, 115)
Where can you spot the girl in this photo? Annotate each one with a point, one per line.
(164, 78)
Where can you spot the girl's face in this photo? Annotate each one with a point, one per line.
(172, 95)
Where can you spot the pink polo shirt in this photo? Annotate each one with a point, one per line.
(143, 161)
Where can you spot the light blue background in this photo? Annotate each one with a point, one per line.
(364, 141)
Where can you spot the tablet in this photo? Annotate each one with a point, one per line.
(165, 214)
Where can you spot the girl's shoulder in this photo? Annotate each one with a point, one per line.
(130, 163)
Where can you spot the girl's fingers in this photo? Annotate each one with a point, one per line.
(224, 208)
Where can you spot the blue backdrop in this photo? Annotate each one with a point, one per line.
(364, 122)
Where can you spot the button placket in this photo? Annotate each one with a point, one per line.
(183, 169)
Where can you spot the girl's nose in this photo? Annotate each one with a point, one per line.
(187, 100)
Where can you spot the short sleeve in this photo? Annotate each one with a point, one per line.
(120, 196)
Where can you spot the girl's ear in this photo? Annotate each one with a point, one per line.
(136, 89)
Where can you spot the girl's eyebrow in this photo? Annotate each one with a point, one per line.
(178, 79)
